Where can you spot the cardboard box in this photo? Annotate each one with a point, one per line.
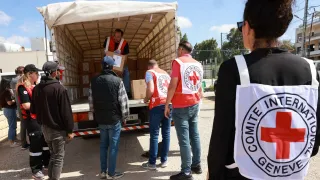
(141, 74)
(133, 75)
(97, 67)
(132, 64)
(138, 89)
(87, 67)
(120, 61)
(142, 63)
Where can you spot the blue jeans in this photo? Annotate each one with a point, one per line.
(186, 124)
(11, 116)
(109, 142)
(156, 118)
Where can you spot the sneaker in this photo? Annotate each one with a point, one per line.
(14, 144)
(117, 175)
(164, 164)
(38, 175)
(25, 147)
(181, 176)
(103, 175)
(196, 169)
(149, 166)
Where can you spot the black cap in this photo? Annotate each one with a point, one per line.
(50, 67)
(31, 68)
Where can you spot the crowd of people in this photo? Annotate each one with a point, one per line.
(266, 108)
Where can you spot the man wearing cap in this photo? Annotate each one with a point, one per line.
(39, 150)
(51, 103)
(109, 102)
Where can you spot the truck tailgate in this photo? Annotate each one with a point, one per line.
(83, 105)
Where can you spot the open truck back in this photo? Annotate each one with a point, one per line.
(78, 31)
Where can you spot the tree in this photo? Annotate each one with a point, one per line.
(179, 33)
(207, 50)
(288, 45)
(234, 45)
(184, 37)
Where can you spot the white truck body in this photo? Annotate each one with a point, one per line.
(78, 30)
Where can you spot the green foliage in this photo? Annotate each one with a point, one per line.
(184, 37)
(234, 45)
(287, 44)
(206, 50)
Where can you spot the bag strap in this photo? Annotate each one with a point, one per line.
(243, 70)
(313, 73)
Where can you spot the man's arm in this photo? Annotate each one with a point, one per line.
(66, 111)
(150, 87)
(173, 83)
(223, 130)
(90, 98)
(123, 100)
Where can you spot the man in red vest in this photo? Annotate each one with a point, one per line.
(157, 87)
(116, 43)
(185, 93)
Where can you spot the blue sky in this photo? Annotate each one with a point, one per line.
(200, 19)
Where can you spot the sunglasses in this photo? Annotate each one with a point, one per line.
(240, 25)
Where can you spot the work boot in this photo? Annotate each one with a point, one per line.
(181, 176)
(196, 169)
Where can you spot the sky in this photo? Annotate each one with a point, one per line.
(199, 19)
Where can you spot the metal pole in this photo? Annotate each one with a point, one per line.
(212, 74)
(216, 67)
(221, 40)
(310, 32)
(305, 28)
(45, 39)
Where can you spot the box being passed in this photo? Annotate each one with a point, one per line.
(138, 88)
(119, 60)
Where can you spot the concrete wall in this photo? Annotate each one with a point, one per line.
(9, 61)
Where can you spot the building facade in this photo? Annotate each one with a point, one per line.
(314, 34)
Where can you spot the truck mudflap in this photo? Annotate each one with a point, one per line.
(92, 132)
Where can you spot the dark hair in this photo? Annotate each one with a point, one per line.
(119, 31)
(186, 46)
(152, 62)
(269, 18)
(4, 85)
(19, 70)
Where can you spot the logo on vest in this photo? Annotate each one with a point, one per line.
(192, 77)
(164, 82)
(278, 134)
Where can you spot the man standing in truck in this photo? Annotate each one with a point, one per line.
(109, 102)
(119, 45)
(156, 94)
(185, 93)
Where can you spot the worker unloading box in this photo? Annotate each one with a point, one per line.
(138, 88)
(119, 61)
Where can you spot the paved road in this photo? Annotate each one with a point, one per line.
(82, 157)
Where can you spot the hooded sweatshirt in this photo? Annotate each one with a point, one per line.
(51, 103)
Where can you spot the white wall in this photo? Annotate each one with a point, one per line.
(9, 61)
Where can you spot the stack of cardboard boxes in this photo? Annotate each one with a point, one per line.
(138, 70)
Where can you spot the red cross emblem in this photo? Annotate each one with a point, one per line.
(166, 83)
(194, 78)
(283, 134)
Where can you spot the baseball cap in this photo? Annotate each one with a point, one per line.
(50, 66)
(59, 66)
(108, 61)
(31, 68)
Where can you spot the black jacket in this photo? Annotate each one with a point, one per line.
(105, 93)
(51, 104)
(274, 67)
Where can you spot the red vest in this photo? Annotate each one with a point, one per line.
(161, 81)
(182, 98)
(111, 44)
(23, 111)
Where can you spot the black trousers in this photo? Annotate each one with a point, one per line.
(39, 150)
(233, 174)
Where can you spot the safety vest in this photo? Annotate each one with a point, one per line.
(275, 127)
(161, 81)
(110, 46)
(24, 113)
(187, 92)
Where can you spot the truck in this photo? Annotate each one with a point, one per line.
(77, 33)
